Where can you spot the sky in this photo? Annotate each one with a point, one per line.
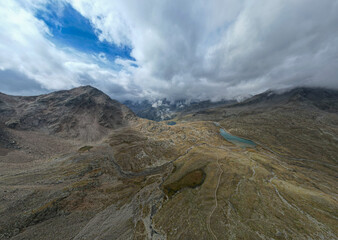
(174, 49)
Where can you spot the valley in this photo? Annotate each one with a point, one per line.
(91, 169)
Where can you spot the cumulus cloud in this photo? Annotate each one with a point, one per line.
(28, 56)
(182, 49)
(222, 48)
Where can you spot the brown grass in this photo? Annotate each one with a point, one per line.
(192, 179)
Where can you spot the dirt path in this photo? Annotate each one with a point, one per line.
(216, 203)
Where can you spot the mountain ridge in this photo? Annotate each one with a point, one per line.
(77, 113)
(142, 179)
(322, 98)
(325, 99)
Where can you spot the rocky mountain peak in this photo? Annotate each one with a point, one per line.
(83, 112)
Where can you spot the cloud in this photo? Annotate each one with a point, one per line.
(28, 56)
(25, 49)
(224, 49)
(182, 49)
(16, 83)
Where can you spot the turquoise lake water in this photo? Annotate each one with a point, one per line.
(237, 140)
(171, 123)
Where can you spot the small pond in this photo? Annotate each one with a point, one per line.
(237, 140)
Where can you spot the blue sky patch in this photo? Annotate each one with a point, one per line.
(71, 29)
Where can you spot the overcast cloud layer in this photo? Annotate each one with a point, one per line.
(179, 49)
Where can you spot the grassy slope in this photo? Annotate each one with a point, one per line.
(118, 187)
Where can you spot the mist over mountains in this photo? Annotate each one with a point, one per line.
(163, 109)
(165, 120)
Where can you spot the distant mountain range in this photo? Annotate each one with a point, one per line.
(163, 109)
(324, 99)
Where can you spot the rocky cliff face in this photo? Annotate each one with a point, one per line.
(85, 113)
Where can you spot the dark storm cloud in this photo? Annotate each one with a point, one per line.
(15, 83)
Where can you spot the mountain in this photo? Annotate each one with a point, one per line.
(270, 118)
(324, 99)
(165, 110)
(84, 113)
(264, 168)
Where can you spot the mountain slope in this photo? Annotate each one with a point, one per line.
(151, 180)
(324, 99)
(298, 122)
(85, 113)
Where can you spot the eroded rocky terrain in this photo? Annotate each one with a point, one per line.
(139, 179)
